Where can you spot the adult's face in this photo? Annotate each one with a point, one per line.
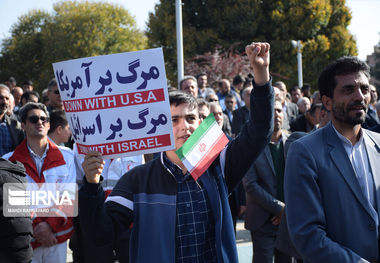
(203, 112)
(202, 81)
(17, 93)
(4, 101)
(304, 106)
(212, 98)
(373, 94)
(230, 103)
(350, 100)
(32, 98)
(218, 113)
(27, 87)
(225, 86)
(283, 90)
(54, 98)
(278, 94)
(185, 120)
(65, 133)
(37, 129)
(278, 116)
(190, 86)
(296, 94)
(247, 96)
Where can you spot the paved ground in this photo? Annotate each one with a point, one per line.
(243, 242)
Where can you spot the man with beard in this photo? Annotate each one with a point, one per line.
(55, 101)
(11, 133)
(332, 176)
(371, 119)
(265, 195)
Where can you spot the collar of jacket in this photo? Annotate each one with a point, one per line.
(53, 159)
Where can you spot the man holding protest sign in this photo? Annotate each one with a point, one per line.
(175, 218)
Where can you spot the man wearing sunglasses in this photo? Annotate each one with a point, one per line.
(45, 162)
(55, 102)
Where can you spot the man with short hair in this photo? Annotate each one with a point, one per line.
(221, 118)
(55, 101)
(241, 115)
(59, 131)
(29, 96)
(212, 98)
(17, 93)
(45, 162)
(265, 195)
(296, 94)
(175, 218)
(189, 85)
(203, 108)
(11, 83)
(11, 133)
(238, 83)
(230, 102)
(27, 85)
(371, 119)
(303, 105)
(307, 122)
(332, 182)
(289, 108)
(306, 90)
(224, 89)
(203, 88)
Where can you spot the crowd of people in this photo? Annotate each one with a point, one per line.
(299, 169)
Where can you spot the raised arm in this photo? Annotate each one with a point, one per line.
(255, 134)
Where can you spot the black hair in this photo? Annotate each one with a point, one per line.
(26, 95)
(177, 98)
(340, 67)
(57, 118)
(31, 106)
(202, 102)
(237, 80)
(314, 107)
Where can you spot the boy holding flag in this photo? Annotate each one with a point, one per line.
(178, 216)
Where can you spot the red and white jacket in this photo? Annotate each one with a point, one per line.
(58, 167)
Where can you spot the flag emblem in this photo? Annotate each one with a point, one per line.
(202, 147)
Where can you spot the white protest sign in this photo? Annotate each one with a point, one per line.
(117, 104)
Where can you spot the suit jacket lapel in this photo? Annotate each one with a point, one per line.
(373, 152)
(268, 155)
(343, 164)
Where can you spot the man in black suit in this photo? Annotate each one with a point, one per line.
(241, 115)
(290, 109)
(371, 119)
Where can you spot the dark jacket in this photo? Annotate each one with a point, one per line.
(147, 194)
(14, 128)
(240, 117)
(15, 232)
(301, 124)
(371, 119)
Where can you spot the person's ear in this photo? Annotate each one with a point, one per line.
(327, 102)
(59, 129)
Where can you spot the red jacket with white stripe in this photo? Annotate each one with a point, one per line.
(58, 167)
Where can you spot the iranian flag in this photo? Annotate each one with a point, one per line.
(202, 147)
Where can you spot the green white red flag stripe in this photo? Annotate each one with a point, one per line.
(202, 147)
